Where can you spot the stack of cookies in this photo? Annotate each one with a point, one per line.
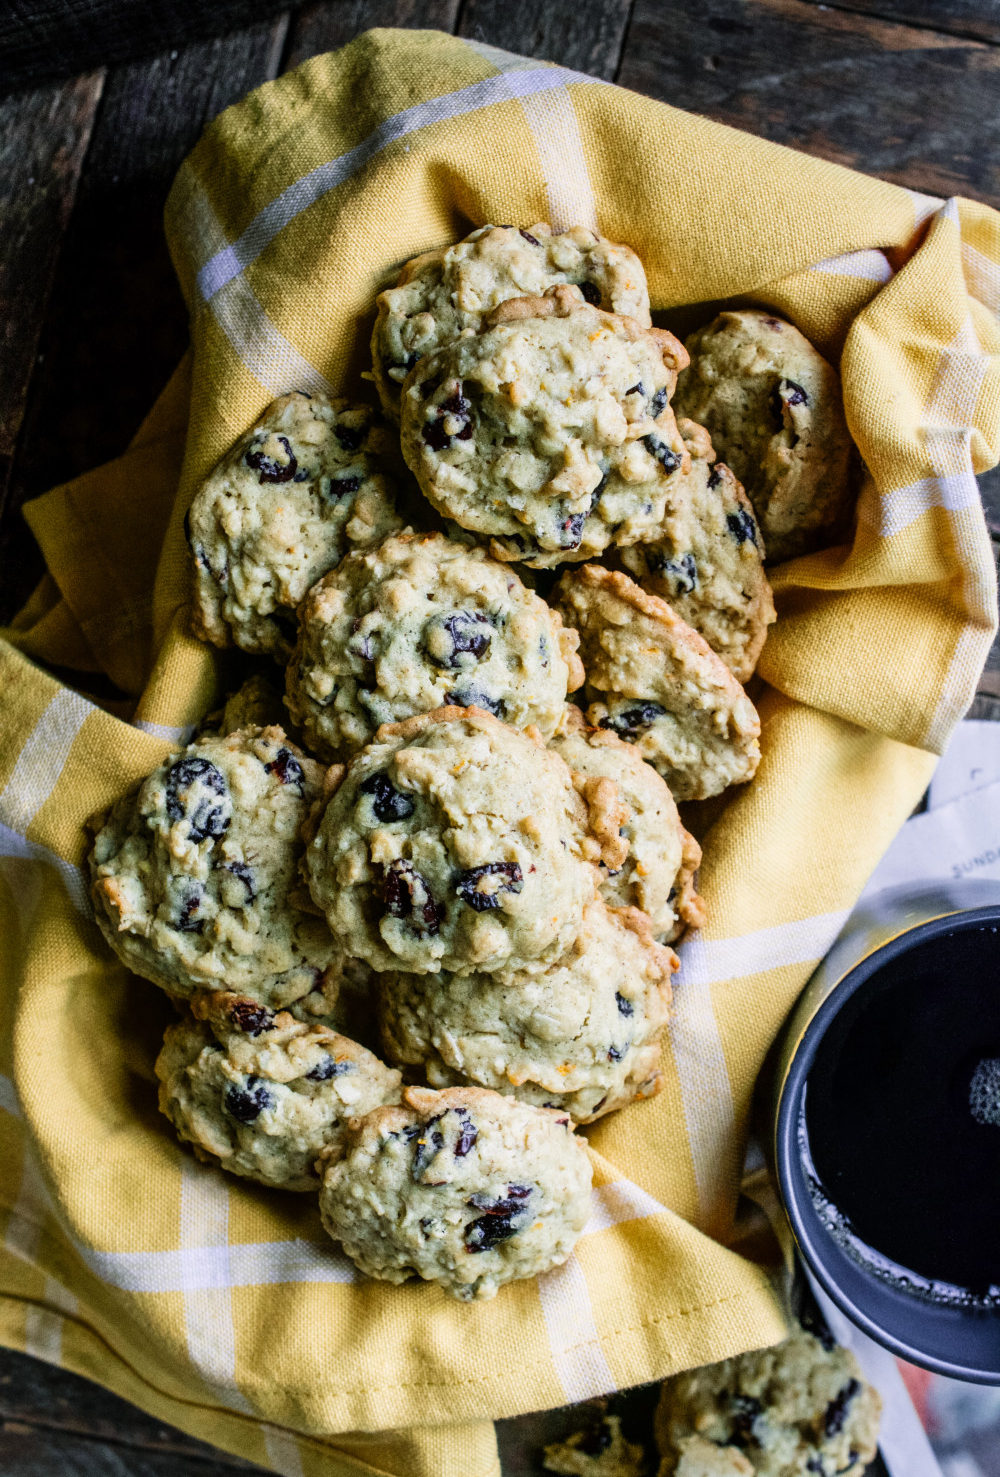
(416, 943)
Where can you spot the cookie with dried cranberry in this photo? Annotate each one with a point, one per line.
(659, 858)
(581, 1034)
(453, 841)
(285, 504)
(696, 1457)
(550, 432)
(798, 1408)
(192, 872)
(421, 622)
(262, 1094)
(653, 681)
(445, 294)
(464, 1188)
(256, 703)
(596, 1451)
(774, 409)
(707, 559)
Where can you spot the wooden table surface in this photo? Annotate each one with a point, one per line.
(93, 322)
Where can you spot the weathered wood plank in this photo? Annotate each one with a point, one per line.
(989, 488)
(323, 27)
(916, 107)
(587, 36)
(117, 325)
(55, 41)
(43, 139)
(49, 1417)
(978, 19)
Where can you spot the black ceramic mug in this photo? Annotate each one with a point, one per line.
(887, 1125)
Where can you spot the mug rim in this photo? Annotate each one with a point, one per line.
(787, 1157)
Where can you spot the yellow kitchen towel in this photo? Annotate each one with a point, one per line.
(219, 1306)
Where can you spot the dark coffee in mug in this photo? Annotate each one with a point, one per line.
(900, 1122)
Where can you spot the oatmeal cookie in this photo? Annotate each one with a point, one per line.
(446, 294)
(263, 1094)
(421, 622)
(600, 1451)
(655, 682)
(283, 506)
(256, 703)
(581, 1034)
(656, 873)
(192, 872)
(793, 1410)
(774, 409)
(550, 432)
(464, 1188)
(707, 559)
(696, 1457)
(453, 842)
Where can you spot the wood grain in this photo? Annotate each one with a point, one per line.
(52, 1421)
(57, 38)
(116, 325)
(978, 19)
(587, 36)
(913, 106)
(319, 28)
(43, 139)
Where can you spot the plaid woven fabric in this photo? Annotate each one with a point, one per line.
(220, 1307)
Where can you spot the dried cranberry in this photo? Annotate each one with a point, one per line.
(436, 436)
(456, 403)
(792, 394)
(591, 293)
(210, 815)
(429, 1142)
(463, 632)
(408, 896)
(468, 1134)
(268, 468)
(329, 1067)
(680, 573)
(388, 803)
(661, 452)
(836, 1412)
(625, 1007)
(742, 526)
(350, 437)
(658, 404)
(243, 874)
(287, 769)
(250, 1018)
(502, 1218)
(744, 1411)
(342, 486)
(630, 722)
(571, 530)
(475, 697)
(484, 900)
(246, 1103)
(187, 918)
(534, 241)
